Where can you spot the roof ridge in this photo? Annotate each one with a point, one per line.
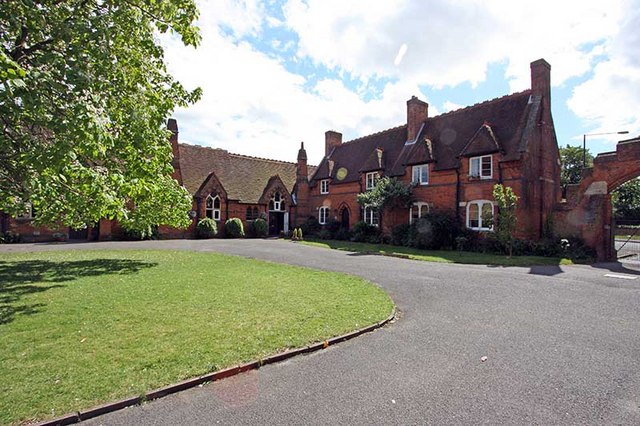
(483, 103)
(373, 134)
(261, 158)
(202, 146)
(237, 155)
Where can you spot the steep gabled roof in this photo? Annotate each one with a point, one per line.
(360, 155)
(482, 142)
(498, 125)
(244, 178)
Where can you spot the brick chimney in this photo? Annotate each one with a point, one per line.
(172, 125)
(541, 78)
(331, 140)
(417, 113)
(302, 170)
(302, 188)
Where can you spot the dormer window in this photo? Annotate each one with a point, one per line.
(420, 174)
(371, 179)
(212, 207)
(324, 186)
(481, 167)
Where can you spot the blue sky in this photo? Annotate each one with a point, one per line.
(275, 73)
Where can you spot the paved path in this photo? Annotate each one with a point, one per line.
(562, 347)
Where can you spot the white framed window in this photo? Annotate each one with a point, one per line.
(480, 215)
(420, 174)
(371, 216)
(417, 211)
(276, 203)
(481, 167)
(371, 179)
(212, 207)
(323, 215)
(324, 186)
(28, 213)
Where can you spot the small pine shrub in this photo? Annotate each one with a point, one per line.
(294, 236)
(233, 228)
(206, 228)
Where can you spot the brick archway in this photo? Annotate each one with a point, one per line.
(588, 212)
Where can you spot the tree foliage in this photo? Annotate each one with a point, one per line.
(505, 220)
(84, 95)
(388, 192)
(626, 200)
(572, 158)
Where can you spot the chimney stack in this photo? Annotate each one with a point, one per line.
(417, 113)
(302, 170)
(172, 125)
(541, 78)
(331, 140)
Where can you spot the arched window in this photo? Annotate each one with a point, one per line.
(480, 215)
(212, 207)
(323, 215)
(417, 211)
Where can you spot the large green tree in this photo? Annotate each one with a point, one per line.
(84, 95)
(572, 158)
(388, 193)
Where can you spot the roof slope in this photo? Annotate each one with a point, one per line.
(243, 177)
(499, 124)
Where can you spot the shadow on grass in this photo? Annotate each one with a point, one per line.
(21, 278)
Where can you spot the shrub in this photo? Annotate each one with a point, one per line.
(233, 228)
(310, 227)
(365, 233)
(257, 228)
(206, 228)
(300, 236)
(343, 235)
(149, 233)
(434, 231)
(10, 237)
(325, 234)
(400, 235)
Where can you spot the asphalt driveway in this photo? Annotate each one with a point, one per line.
(562, 347)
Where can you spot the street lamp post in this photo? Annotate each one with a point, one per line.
(584, 143)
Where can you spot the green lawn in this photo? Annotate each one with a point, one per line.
(79, 328)
(439, 255)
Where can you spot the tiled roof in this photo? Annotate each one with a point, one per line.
(499, 124)
(244, 178)
(359, 155)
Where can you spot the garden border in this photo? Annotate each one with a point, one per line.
(71, 418)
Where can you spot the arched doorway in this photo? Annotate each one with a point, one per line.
(344, 219)
(276, 214)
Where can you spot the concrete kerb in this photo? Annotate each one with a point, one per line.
(79, 416)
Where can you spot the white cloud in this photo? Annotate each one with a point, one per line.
(610, 100)
(451, 106)
(254, 105)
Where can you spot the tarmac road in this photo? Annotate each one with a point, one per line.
(562, 347)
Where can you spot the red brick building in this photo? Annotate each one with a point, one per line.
(223, 185)
(453, 159)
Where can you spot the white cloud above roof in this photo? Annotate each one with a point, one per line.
(276, 73)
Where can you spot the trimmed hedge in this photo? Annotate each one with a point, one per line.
(206, 228)
(233, 228)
